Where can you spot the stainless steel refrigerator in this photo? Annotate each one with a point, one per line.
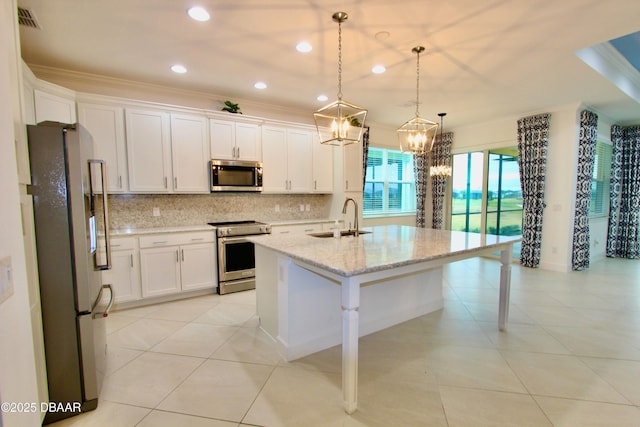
(74, 302)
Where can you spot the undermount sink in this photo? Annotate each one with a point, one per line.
(326, 234)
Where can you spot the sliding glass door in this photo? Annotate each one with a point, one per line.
(486, 193)
(504, 197)
(466, 193)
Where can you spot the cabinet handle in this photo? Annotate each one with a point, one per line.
(165, 182)
(175, 182)
(120, 181)
(177, 255)
(160, 242)
(233, 152)
(182, 255)
(238, 152)
(347, 184)
(315, 185)
(115, 245)
(195, 240)
(131, 260)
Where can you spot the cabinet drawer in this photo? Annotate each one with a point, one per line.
(123, 243)
(159, 240)
(199, 237)
(176, 239)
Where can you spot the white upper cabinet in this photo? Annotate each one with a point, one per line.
(299, 160)
(148, 151)
(352, 167)
(322, 166)
(234, 140)
(105, 125)
(287, 160)
(54, 108)
(190, 153)
(274, 160)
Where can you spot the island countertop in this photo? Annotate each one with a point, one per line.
(385, 247)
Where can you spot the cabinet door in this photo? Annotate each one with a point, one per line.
(190, 152)
(352, 167)
(54, 108)
(198, 268)
(322, 166)
(123, 276)
(160, 271)
(149, 151)
(222, 135)
(105, 124)
(299, 160)
(274, 159)
(248, 145)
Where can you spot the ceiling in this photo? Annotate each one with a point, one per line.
(483, 60)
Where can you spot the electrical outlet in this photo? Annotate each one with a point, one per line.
(156, 211)
(301, 208)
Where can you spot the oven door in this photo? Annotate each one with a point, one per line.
(236, 258)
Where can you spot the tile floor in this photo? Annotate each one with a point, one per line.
(571, 357)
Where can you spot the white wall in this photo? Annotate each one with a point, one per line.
(17, 371)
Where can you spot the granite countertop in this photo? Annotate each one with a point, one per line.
(158, 230)
(384, 248)
(204, 227)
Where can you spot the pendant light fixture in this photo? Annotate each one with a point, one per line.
(417, 135)
(444, 169)
(340, 123)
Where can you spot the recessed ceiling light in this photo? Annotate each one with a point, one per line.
(180, 69)
(378, 69)
(322, 98)
(260, 85)
(198, 13)
(304, 47)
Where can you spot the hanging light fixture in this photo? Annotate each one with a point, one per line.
(444, 169)
(417, 135)
(340, 123)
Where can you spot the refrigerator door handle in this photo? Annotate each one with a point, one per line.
(105, 212)
(106, 311)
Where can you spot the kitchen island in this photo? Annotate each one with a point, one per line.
(313, 293)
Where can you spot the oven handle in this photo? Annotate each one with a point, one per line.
(235, 239)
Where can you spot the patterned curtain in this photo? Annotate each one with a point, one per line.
(365, 155)
(440, 155)
(615, 187)
(421, 173)
(533, 140)
(623, 239)
(586, 157)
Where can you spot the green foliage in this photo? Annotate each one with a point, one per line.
(231, 107)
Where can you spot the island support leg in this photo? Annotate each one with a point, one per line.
(350, 324)
(505, 287)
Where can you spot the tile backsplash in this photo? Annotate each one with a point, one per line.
(134, 211)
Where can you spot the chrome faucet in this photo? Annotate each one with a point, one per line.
(355, 214)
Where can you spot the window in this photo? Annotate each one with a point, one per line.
(390, 185)
(600, 180)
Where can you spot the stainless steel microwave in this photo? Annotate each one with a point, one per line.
(235, 175)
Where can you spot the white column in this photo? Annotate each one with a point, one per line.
(350, 321)
(505, 286)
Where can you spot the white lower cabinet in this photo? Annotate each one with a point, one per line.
(124, 275)
(172, 263)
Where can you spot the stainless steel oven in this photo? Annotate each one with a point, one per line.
(236, 254)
